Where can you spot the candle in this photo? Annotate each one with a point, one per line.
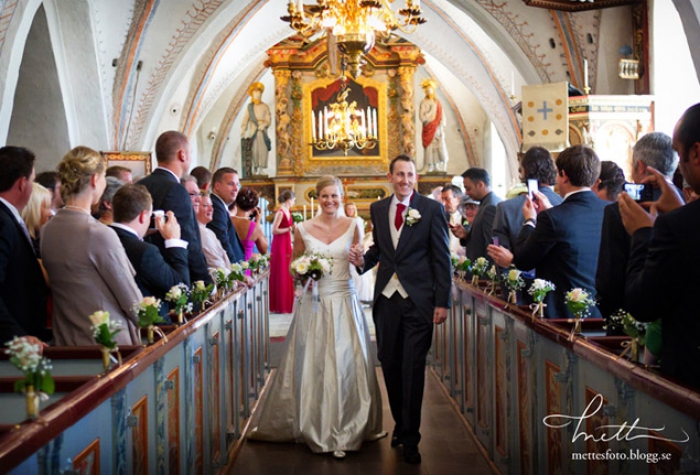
(585, 73)
(312, 206)
(313, 127)
(320, 125)
(512, 83)
(304, 212)
(374, 119)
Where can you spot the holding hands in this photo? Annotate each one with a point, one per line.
(356, 255)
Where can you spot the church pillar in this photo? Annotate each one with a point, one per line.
(283, 120)
(408, 113)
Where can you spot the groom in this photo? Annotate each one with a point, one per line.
(412, 292)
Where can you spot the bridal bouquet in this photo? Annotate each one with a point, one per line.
(539, 290)
(478, 269)
(311, 265)
(514, 281)
(297, 217)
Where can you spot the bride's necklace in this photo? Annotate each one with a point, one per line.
(77, 208)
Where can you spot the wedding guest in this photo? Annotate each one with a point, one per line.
(211, 246)
(281, 284)
(121, 173)
(653, 150)
(87, 265)
(662, 272)
(23, 289)
(561, 242)
(190, 184)
(156, 273)
(610, 182)
(203, 177)
(51, 182)
(225, 186)
(468, 207)
(37, 213)
(247, 222)
(450, 198)
(364, 283)
(102, 211)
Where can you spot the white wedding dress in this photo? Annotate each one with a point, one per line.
(325, 393)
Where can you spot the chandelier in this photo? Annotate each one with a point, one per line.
(344, 126)
(356, 24)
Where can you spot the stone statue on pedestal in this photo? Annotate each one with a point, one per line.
(433, 135)
(256, 121)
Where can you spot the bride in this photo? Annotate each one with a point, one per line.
(325, 393)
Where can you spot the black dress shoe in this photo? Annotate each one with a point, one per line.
(395, 441)
(411, 454)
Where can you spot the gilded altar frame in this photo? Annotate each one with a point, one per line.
(377, 158)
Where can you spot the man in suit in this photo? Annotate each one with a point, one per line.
(653, 150)
(156, 273)
(477, 235)
(173, 155)
(412, 292)
(662, 272)
(23, 290)
(450, 196)
(562, 242)
(225, 186)
(537, 164)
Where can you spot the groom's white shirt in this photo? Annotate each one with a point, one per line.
(394, 284)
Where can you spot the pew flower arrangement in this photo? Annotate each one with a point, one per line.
(148, 312)
(514, 282)
(179, 295)
(104, 330)
(237, 272)
(492, 275)
(478, 269)
(255, 263)
(462, 267)
(539, 290)
(200, 293)
(623, 320)
(578, 301)
(454, 259)
(223, 281)
(37, 382)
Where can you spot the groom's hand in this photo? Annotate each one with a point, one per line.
(439, 315)
(356, 255)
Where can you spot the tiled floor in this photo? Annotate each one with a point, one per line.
(447, 446)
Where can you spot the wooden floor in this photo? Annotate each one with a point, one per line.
(447, 447)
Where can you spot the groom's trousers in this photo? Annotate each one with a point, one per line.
(404, 337)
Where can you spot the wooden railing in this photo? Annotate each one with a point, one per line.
(509, 373)
(172, 407)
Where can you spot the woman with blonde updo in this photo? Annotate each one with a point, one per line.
(37, 213)
(86, 263)
(325, 392)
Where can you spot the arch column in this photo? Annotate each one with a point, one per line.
(408, 112)
(283, 121)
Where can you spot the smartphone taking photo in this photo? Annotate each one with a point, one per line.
(640, 192)
(532, 187)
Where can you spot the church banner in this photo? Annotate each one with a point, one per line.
(546, 116)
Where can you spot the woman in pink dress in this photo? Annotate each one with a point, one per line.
(247, 223)
(281, 283)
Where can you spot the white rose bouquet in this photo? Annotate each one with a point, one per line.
(148, 311)
(514, 281)
(179, 295)
(539, 290)
(199, 293)
(104, 330)
(311, 265)
(478, 269)
(578, 302)
(493, 276)
(37, 382)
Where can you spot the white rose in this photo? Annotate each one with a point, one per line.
(462, 259)
(244, 265)
(175, 292)
(325, 265)
(150, 302)
(199, 285)
(513, 274)
(578, 295)
(414, 214)
(481, 262)
(99, 317)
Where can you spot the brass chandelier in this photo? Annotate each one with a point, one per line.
(344, 126)
(356, 24)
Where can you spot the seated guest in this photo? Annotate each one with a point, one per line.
(610, 182)
(23, 290)
(213, 250)
(203, 177)
(225, 186)
(156, 273)
(561, 243)
(536, 164)
(86, 263)
(653, 150)
(102, 211)
(37, 213)
(662, 272)
(122, 174)
(51, 182)
(247, 222)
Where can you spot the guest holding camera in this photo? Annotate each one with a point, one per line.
(247, 222)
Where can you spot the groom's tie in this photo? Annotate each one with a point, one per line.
(398, 220)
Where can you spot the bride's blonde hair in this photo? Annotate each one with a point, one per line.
(77, 167)
(329, 180)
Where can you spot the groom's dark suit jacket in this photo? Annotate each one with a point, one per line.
(156, 273)
(169, 195)
(22, 287)
(663, 281)
(421, 259)
(563, 249)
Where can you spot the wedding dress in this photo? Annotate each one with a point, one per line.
(325, 392)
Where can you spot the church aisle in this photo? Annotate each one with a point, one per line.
(447, 448)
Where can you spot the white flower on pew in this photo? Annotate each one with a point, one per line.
(27, 358)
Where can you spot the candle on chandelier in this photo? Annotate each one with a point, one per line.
(374, 119)
(312, 206)
(313, 126)
(304, 212)
(320, 125)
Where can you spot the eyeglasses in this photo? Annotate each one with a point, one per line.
(194, 194)
(207, 206)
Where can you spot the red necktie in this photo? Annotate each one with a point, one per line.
(398, 220)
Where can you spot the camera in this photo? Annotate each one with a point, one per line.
(640, 192)
(161, 214)
(532, 187)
